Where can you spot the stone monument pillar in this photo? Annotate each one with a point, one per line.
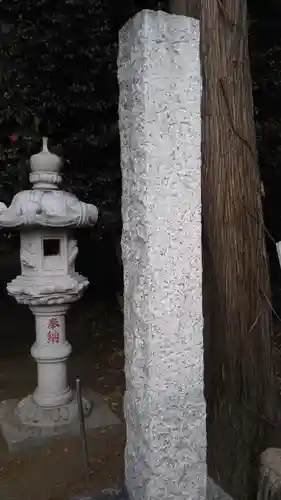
(160, 128)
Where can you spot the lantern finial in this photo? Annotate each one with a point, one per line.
(45, 168)
(45, 145)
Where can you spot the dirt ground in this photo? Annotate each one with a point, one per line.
(56, 472)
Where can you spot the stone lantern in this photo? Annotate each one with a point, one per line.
(48, 284)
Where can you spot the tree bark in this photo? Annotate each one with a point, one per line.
(239, 376)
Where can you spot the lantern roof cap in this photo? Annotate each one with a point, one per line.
(45, 205)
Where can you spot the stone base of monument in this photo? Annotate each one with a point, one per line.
(24, 424)
(214, 492)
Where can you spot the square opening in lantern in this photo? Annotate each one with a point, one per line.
(51, 247)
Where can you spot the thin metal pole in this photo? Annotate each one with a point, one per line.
(82, 428)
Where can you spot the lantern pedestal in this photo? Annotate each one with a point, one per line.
(53, 403)
(52, 410)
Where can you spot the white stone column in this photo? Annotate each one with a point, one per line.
(159, 109)
(51, 351)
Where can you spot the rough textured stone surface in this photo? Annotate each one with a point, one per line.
(159, 110)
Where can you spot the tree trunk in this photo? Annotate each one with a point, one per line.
(239, 376)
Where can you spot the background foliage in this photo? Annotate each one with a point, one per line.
(58, 78)
(58, 65)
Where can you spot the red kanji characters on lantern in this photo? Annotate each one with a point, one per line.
(53, 323)
(53, 338)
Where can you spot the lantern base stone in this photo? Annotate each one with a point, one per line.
(30, 413)
(44, 424)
